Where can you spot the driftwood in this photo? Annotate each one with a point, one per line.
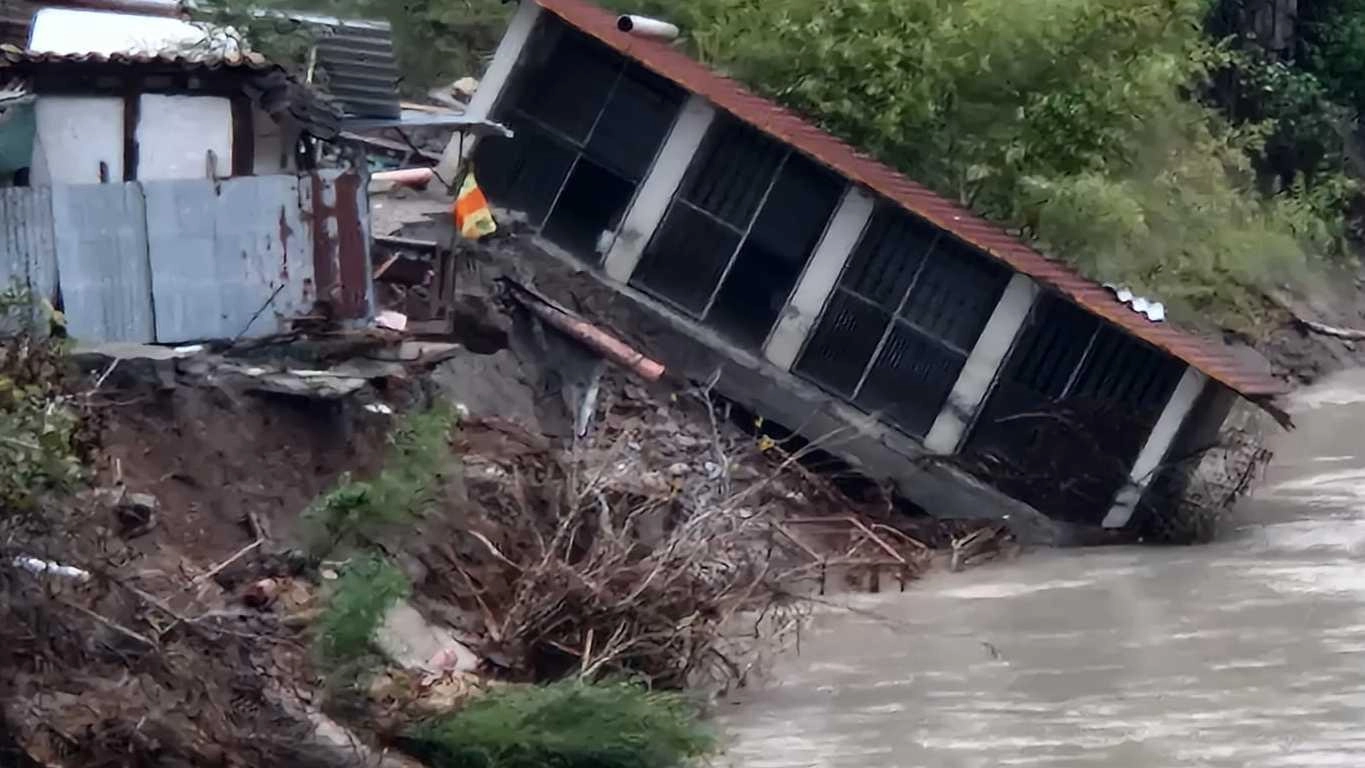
(1336, 332)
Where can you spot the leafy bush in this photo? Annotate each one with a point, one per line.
(358, 509)
(40, 425)
(368, 587)
(569, 724)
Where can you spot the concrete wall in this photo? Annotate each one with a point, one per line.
(274, 151)
(75, 135)
(176, 134)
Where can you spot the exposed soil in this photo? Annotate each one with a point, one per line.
(1303, 356)
(217, 460)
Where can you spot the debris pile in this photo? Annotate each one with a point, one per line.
(170, 617)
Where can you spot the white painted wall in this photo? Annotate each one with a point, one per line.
(175, 134)
(819, 278)
(271, 156)
(74, 135)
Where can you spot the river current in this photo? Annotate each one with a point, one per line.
(1249, 652)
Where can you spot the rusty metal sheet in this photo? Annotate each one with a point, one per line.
(336, 210)
(229, 259)
(101, 244)
(1208, 355)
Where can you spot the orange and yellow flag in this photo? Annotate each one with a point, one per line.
(472, 215)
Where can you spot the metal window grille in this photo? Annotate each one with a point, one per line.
(905, 315)
(737, 235)
(588, 125)
(1070, 412)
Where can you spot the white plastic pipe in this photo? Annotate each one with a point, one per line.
(643, 26)
(39, 567)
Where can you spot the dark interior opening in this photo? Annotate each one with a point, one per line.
(592, 202)
(783, 237)
(1070, 412)
(907, 311)
(740, 231)
(588, 125)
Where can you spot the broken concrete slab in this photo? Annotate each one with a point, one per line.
(410, 641)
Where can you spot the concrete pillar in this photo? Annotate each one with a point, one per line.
(1155, 450)
(658, 188)
(977, 375)
(818, 280)
(493, 83)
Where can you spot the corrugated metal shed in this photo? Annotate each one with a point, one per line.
(229, 258)
(359, 69)
(1207, 355)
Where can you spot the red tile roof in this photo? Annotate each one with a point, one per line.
(1208, 355)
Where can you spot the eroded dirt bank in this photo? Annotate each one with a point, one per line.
(555, 538)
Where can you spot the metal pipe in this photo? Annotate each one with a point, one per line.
(416, 178)
(589, 335)
(643, 26)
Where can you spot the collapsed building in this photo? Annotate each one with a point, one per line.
(832, 294)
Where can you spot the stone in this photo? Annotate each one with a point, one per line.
(413, 643)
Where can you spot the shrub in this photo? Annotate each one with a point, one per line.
(41, 427)
(355, 509)
(569, 724)
(368, 587)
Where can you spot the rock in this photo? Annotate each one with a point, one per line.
(261, 594)
(345, 748)
(413, 643)
(136, 514)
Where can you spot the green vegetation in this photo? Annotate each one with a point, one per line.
(40, 426)
(1068, 119)
(570, 724)
(358, 510)
(368, 587)
(436, 41)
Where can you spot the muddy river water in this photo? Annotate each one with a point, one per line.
(1249, 652)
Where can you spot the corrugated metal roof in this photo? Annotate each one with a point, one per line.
(1211, 356)
(360, 69)
(15, 18)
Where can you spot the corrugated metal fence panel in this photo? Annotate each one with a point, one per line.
(28, 254)
(224, 253)
(101, 243)
(336, 208)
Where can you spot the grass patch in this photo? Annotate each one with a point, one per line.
(359, 509)
(569, 724)
(368, 587)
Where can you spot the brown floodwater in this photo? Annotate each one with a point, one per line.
(1249, 652)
